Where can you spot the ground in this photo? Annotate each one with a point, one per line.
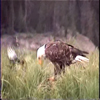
(80, 81)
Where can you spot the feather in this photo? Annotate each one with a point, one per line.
(81, 58)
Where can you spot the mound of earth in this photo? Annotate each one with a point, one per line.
(34, 41)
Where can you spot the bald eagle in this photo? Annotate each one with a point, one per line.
(61, 54)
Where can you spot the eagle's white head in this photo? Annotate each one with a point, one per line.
(41, 54)
(11, 53)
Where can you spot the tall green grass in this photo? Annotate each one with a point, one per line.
(81, 81)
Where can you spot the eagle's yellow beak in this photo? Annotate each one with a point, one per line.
(40, 61)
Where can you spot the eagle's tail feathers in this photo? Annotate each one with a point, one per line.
(85, 52)
(81, 59)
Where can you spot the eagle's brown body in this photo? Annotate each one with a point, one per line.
(61, 54)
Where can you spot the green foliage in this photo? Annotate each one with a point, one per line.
(81, 81)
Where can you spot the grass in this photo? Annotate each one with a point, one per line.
(81, 81)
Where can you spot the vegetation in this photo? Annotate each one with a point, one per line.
(30, 80)
(58, 17)
(81, 81)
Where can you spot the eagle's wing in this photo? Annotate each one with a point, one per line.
(57, 51)
(76, 51)
(78, 55)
